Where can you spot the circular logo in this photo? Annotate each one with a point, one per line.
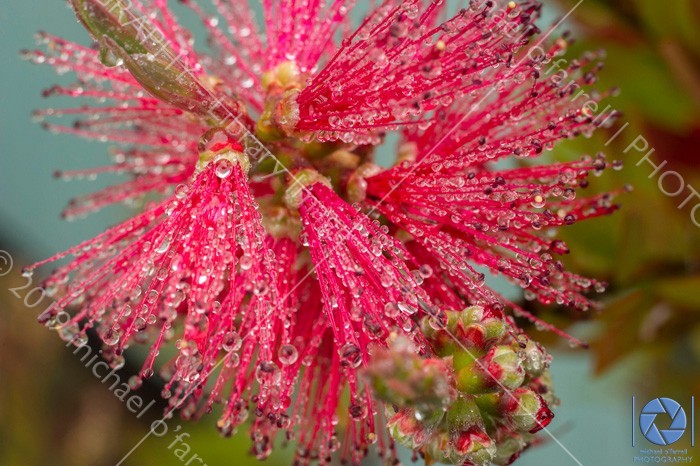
(667, 407)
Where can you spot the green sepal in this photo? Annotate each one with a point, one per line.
(165, 80)
(111, 18)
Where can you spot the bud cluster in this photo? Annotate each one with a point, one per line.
(478, 400)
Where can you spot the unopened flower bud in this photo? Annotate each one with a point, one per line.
(357, 183)
(217, 146)
(285, 75)
(510, 446)
(300, 182)
(527, 410)
(409, 431)
(168, 81)
(473, 328)
(472, 446)
(501, 367)
(401, 377)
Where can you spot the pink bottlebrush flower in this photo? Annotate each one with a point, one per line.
(279, 261)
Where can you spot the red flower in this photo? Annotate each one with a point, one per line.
(277, 266)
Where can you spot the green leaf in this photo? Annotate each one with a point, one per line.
(682, 291)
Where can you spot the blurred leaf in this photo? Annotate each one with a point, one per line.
(682, 291)
(622, 317)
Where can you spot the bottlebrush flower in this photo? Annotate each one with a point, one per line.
(280, 259)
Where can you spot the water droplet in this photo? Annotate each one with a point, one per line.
(391, 310)
(111, 337)
(246, 262)
(425, 271)
(232, 342)
(268, 373)
(260, 288)
(152, 296)
(538, 201)
(350, 356)
(407, 308)
(358, 411)
(223, 168)
(140, 324)
(181, 191)
(164, 245)
(135, 382)
(288, 354)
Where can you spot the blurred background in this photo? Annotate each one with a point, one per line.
(646, 343)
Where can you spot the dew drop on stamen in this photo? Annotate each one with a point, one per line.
(260, 288)
(358, 411)
(538, 201)
(232, 342)
(350, 356)
(163, 247)
(140, 324)
(111, 337)
(268, 373)
(181, 191)
(152, 296)
(246, 262)
(135, 382)
(288, 354)
(425, 271)
(391, 310)
(223, 168)
(407, 308)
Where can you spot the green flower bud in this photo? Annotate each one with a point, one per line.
(527, 411)
(463, 414)
(500, 368)
(509, 448)
(164, 79)
(470, 446)
(401, 377)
